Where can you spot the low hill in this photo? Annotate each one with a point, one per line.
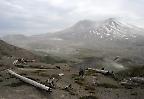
(13, 51)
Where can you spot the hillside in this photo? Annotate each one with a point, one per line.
(13, 51)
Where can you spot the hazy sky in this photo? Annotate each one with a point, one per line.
(42, 16)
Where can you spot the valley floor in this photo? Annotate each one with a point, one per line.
(92, 84)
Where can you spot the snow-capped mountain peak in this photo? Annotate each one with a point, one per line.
(112, 21)
(109, 29)
(87, 30)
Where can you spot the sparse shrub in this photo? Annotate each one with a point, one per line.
(72, 93)
(43, 74)
(23, 74)
(55, 76)
(1, 80)
(88, 97)
(17, 84)
(4, 53)
(90, 87)
(80, 81)
(75, 76)
(90, 72)
(134, 93)
(52, 60)
(131, 72)
(38, 71)
(106, 85)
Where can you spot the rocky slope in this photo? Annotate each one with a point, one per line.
(13, 51)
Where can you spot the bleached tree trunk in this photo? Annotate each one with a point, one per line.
(99, 71)
(29, 81)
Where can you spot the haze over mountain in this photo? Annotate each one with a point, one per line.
(109, 37)
(87, 30)
(109, 29)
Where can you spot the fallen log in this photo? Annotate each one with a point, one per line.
(138, 80)
(105, 72)
(29, 81)
(133, 81)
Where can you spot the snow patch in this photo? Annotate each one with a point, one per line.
(57, 39)
(107, 34)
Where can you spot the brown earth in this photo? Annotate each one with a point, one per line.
(93, 84)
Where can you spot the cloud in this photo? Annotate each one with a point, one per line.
(42, 16)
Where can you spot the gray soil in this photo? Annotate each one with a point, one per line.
(92, 84)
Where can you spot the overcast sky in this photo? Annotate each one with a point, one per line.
(32, 17)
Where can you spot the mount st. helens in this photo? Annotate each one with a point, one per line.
(86, 30)
(105, 38)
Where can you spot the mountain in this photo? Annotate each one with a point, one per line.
(110, 29)
(108, 37)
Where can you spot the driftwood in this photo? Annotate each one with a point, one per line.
(105, 72)
(138, 79)
(133, 81)
(29, 81)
